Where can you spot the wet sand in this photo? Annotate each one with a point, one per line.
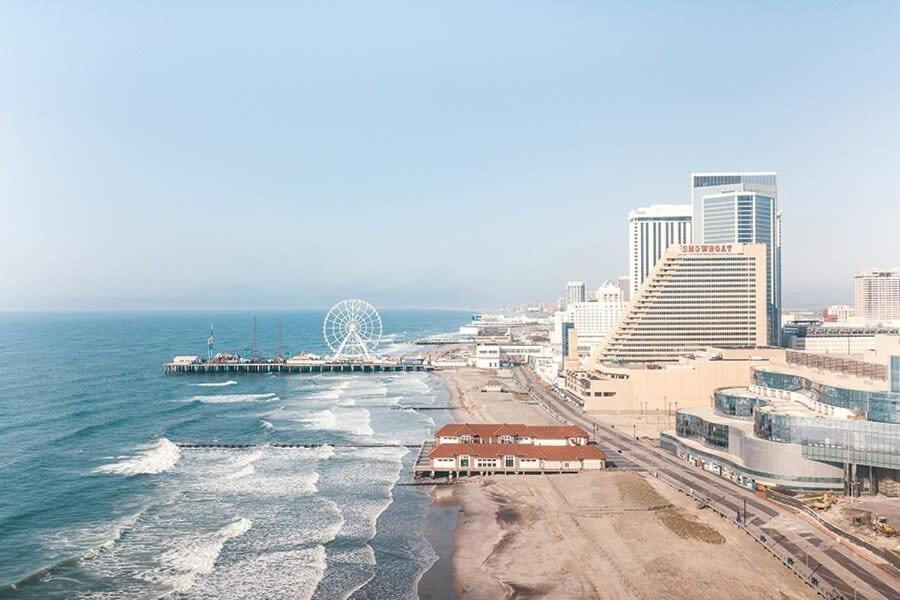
(588, 535)
(437, 582)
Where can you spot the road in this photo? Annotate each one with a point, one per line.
(828, 558)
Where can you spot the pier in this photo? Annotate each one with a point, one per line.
(205, 368)
(225, 446)
(446, 340)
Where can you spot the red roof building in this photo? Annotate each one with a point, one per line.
(513, 458)
(505, 433)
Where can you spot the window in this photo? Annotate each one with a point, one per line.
(510, 462)
(467, 439)
(506, 439)
(463, 461)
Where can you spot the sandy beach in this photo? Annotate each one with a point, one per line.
(590, 535)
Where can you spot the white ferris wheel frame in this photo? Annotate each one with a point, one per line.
(352, 329)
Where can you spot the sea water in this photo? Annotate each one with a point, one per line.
(97, 500)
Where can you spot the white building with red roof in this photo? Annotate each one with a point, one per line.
(488, 448)
(505, 433)
(514, 458)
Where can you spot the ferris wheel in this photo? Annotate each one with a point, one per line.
(352, 329)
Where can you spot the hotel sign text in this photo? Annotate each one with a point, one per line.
(707, 248)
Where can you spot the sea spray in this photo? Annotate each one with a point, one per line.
(157, 458)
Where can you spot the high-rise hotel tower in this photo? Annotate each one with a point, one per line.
(575, 292)
(876, 294)
(698, 296)
(651, 231)
(742, 208)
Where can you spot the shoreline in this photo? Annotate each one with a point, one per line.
(448, 526)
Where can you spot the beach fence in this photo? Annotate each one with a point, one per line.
(788, 553)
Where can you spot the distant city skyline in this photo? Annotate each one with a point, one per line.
(223, 157)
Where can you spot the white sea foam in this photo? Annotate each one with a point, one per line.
(216, 384)
(180, 567)
(232, 398)
(156, 458)
(92, 540)
(266, 424)
(263, 472)
(278, 574)
(243, 466)
(334, 392)
(356, 421)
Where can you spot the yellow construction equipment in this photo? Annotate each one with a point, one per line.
(821, 502)
(882, 526)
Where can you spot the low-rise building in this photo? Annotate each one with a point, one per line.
(537, 435)
(802, 424)
(514, 459)
(186, 360)
(815, 336)
(494, 356)
(838, 313)
(487, 356)
(649, 387)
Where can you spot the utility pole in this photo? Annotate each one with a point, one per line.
(745, 511)
(278, 349)
(254, 355)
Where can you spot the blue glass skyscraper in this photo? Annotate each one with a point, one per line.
(743, 208)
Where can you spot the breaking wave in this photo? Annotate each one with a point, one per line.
(232, 398)
(216, 384)
(356, 421)
(180, 566)
(157, 458)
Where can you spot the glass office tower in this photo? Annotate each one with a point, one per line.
(743, 208)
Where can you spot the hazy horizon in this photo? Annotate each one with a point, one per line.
(218, 157)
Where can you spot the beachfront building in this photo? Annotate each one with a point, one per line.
(518, 459)
(876, 295)
(488, 448)
(742, 208)
(495, 356)
(809, 423)
(651, 231)
(697, 296)
(487, 356)
(537, 435)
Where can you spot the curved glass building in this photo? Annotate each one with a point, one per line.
(797, 428)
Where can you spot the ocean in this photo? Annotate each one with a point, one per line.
(97, 501)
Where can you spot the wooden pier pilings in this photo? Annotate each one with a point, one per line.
(324, 367)
(225, 446)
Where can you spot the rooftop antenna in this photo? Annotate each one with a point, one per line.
(254, 355)
(209, 343)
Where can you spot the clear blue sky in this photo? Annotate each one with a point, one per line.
(174, 154)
